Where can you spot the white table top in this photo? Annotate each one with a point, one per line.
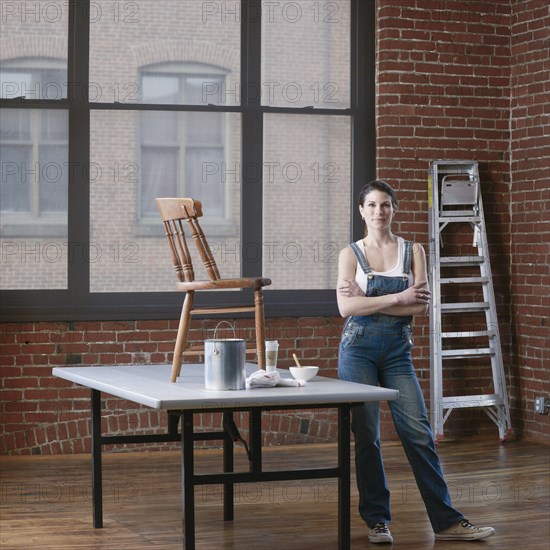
(150, 385)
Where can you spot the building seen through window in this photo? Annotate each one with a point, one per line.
(254, 117)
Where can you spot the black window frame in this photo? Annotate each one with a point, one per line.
(77, 302)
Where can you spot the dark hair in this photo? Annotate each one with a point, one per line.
(377, 185)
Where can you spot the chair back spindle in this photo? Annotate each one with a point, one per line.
(181, 258)
(173, 212)
(204, 249)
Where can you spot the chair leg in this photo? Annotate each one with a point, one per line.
(260, 326)
(181, 338)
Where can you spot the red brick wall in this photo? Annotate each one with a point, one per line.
(444, 74)
(469, 80)
(530, 208)
(46, 415)
(443, 93)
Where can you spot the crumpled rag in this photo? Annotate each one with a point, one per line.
(264, 379)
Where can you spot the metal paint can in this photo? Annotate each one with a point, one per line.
(224, 363)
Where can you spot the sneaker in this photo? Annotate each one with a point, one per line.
(380, 533)
(464, 530)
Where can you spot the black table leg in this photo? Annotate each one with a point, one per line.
(97, 489)
(255, 428)
(228, 466)
(188, 480)
(344, 539)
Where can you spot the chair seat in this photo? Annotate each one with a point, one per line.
(245, 282)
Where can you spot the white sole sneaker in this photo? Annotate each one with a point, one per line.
(464, 530)
(380, 534)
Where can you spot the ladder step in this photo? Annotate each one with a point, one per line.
(458, 218)
(460, 353)
(489, 400)
(466, 334)
(465, 307)
(461, 261)
(463, 212)
(458, 280)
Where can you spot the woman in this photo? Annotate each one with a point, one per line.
(382, 283)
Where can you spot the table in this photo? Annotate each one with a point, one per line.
(150, 385)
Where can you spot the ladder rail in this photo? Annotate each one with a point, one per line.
(436, 386)
(497, 362)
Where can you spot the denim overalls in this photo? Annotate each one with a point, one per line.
(376, 349)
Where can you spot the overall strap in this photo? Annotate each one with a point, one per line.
(407, 257)
(361, 258)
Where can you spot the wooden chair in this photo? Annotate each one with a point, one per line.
(174, 211)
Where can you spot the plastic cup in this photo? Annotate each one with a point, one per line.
(271, 351)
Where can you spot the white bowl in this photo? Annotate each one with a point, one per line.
(304, 373)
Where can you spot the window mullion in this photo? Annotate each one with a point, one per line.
(182, 156)
(79, 151)
(252, 140)
(35, 165)
(181, 137)
(363, 103)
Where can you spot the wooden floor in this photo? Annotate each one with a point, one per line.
(46, 501)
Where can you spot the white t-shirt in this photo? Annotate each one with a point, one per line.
(396, 271)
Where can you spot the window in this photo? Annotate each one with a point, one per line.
(262, 110)
(33, 151)
(33, 146)
(34, 175)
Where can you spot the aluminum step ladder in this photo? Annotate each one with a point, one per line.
(463, 318)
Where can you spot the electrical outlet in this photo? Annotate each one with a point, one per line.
(542, 405)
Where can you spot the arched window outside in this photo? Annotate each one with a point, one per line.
(176, 148)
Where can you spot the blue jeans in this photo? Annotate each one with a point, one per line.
(376, 350)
